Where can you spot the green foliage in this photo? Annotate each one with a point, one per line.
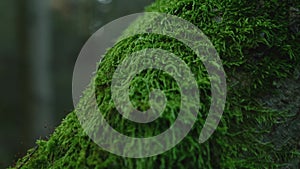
(257, 47)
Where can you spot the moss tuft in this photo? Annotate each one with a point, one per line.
(258, 42)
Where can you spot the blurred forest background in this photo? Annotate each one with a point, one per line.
(40, 41)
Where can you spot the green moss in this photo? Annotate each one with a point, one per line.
(259, 47)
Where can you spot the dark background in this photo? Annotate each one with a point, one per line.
(40, 41)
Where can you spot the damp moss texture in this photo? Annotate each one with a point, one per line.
(258, 43)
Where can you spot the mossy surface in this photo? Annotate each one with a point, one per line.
(258, 43)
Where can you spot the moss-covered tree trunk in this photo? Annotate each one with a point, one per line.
(258, 42)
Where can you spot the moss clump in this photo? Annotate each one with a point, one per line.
(258, 43)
